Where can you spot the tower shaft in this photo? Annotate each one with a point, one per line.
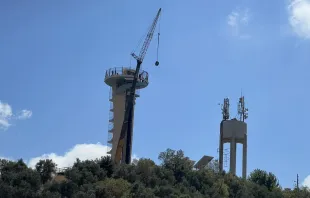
(121, 122)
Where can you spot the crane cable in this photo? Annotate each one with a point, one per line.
(158, 45)
(158, 35)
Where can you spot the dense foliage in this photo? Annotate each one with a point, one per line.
(174, 177)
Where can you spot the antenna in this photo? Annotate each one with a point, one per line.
(242, 111)
(225, 109)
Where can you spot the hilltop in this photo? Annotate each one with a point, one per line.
(174, 177)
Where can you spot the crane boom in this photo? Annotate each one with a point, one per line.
(148, 39)
(126, 132)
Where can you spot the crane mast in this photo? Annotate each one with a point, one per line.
(126, 132)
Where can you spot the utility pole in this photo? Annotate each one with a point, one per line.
(297, 182)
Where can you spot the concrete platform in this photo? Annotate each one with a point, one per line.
(123, 77)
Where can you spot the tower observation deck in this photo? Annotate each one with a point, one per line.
(120, 81)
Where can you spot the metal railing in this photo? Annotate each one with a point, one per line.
(111, 125)
(111, 105)
(110, 94)
(110, 137)
(143, 75)
(111, 115)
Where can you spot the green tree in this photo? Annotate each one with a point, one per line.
(139, 190)
(220, 189)
(50, 194)
(174, 178)
(263, 178)
(85, 172)
(145, 171)
(126, 171)
(106, 164)
(165, 191)
(300, 193)
(46, 169)
(177, 162)
(17, 180)
(112, 188)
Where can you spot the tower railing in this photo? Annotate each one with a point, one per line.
(111, 115)
(111, 106)
(137, 92)
(110, 137)
(143, 75)
(110, 94)
(111, 126)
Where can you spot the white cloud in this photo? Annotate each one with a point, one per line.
(237, 20)
(6, 115)
(5, 109)
(81, 151)
(306, 181)
(4, 124)
(24, 114)
(134, 156)
(299, 17)
(6, 158)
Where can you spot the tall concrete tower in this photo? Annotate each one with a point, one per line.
(120, 80)
(234, 131)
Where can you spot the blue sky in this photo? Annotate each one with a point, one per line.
(53, 57)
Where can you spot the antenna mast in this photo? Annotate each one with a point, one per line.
(242, 111)
(225, 109)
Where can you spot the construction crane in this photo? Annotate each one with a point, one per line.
(126, 132)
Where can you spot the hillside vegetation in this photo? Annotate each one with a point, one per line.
(174, 177)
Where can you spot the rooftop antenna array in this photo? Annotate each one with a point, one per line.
(242, 111)
(225, 109)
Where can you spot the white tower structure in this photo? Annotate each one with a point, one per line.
(234, 131)
(120, 80)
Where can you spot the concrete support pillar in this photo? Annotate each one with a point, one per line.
(245, 156)
(221, 156)
(233, 157)
(221, 149)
